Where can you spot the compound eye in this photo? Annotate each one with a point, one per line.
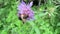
(19, 18)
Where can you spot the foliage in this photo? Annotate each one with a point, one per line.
(47, 18)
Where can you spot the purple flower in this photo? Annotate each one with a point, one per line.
(24, 8)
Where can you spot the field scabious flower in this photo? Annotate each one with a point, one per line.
(25, 9)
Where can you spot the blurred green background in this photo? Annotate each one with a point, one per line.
(47, 18)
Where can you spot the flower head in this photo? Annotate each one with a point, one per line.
(25, 9)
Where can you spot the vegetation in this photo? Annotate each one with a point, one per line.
(47, 18)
